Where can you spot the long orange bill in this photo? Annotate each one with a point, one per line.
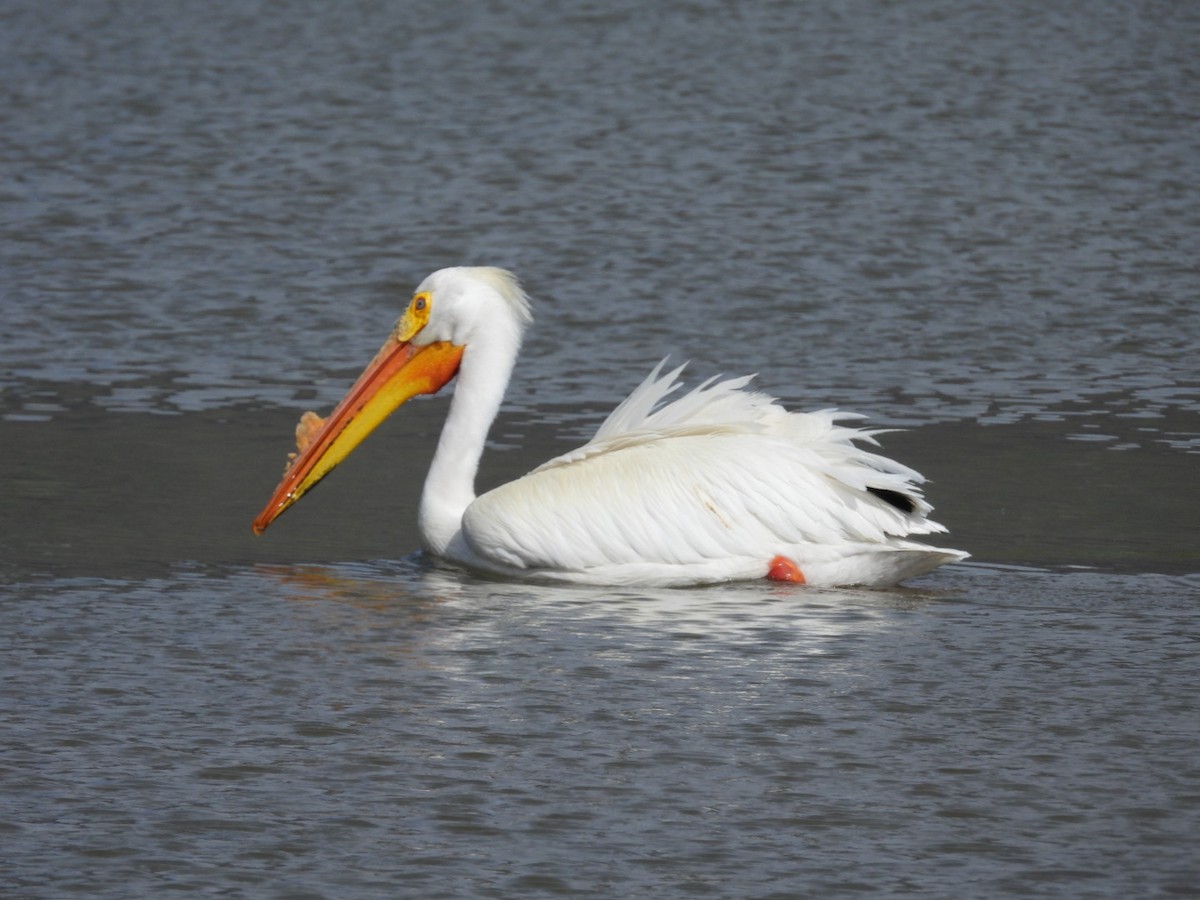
(398, 373)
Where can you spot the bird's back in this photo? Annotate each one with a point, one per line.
(709, 487)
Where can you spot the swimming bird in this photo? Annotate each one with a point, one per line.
(718, 484)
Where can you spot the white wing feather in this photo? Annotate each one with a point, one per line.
(712, 484)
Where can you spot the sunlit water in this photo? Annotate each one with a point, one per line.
(977, 221)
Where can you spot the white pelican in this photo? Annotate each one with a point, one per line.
(719, 484)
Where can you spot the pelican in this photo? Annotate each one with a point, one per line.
(718, 484)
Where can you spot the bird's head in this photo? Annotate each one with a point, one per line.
(455, 305)
(450, 311)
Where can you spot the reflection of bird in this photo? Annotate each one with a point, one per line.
(719, 484)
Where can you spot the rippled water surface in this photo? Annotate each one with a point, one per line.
(376, 728)
(975, 221)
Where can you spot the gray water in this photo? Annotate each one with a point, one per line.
(976, 222)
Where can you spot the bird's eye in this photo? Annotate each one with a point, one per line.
(416, 316)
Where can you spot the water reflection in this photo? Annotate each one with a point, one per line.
(418, 592)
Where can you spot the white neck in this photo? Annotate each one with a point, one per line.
(487, 364)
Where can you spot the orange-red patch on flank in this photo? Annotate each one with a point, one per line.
(783, 569)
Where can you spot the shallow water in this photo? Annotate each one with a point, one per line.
(978, 223)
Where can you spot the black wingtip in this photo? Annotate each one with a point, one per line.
(902, 502)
